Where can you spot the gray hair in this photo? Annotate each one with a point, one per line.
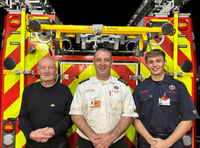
(51, 59)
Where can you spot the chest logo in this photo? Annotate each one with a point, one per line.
(172, 87)
(52, 105)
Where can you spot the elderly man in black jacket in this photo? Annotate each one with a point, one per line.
(44, 116)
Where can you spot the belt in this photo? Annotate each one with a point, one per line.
(159, 135)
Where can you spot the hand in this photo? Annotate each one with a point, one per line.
(41, 135)
(49, 131)
(152, 141)
(103, 141)
(160, 143)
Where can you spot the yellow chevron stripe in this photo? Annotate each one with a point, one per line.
(31, 60)
(132, 68)
(130, 133)
(144, 71)
(12, 38)
(20, 140)
(114, 74)
(87, 73)
(65, 67)
(72, 130)
(10, 79)
(13, 110)
(183, 41)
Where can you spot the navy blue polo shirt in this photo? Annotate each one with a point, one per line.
(162, 105)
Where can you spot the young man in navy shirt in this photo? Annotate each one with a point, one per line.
(164, 106)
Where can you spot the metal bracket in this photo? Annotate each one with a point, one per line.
(26, 72)
(179, 74)
(64, 76)
(136, 77)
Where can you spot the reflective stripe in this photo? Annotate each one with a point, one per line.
(20, 140)
(130, 134)
(13, 110)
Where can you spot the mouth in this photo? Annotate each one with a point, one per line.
(102, 69)
(47, 75)
(156, 69)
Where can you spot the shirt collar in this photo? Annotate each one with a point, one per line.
(50, 86)
(96, 80)
(166, 78)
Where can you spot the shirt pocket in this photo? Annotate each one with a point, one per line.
(92, 103)
(174, 102)
(147, 103)
(116, 101)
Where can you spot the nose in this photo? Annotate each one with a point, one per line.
(102, 62)
(46, 70)
(154, 63)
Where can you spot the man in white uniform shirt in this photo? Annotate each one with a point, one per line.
(103, 107)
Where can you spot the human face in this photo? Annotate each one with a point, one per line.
(156, 65)
(102, 62)
(47, 71)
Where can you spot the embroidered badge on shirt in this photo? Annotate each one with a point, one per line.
(116, 87)
(172, 87)
(195, 112)
(52, 105)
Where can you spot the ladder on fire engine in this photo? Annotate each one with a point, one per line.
(34, 6)
(158, 8)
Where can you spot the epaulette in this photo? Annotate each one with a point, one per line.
(121, 80)
(84, 80)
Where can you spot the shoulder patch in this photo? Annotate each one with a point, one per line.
(84, 81)
(121, 80)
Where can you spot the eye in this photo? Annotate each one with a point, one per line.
(98, 60)
(51, 68)
(150, 62)
(107, 60)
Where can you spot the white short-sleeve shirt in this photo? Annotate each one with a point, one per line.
(103, 104)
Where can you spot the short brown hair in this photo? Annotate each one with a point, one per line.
(154, 53)
(105, 50)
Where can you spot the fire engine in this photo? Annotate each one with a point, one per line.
(32, 31)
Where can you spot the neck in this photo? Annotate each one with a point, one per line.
(103, 78)
(48, 83)
(158, 77)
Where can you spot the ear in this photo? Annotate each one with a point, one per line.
(38, 70)
(93, 62)
(165, 63)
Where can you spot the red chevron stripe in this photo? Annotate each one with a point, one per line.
(10, 96)
(124, 72)
(76, 69)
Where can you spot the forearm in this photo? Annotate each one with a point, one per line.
(143, 131)
(81, 123)
(121, 127)
(182, 128)
(62, 126)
